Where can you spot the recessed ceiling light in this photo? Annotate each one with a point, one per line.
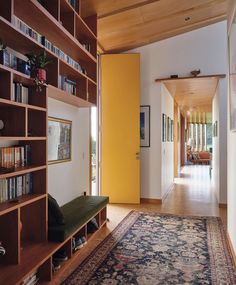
(187, 19)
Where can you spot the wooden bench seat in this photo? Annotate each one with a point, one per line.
(76, 213)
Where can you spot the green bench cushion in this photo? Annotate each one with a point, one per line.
(76, 213)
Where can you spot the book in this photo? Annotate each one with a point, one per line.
(15, 187)
(20, 93)
(14, 157)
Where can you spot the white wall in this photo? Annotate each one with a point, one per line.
(68, 180)
(216, 147)
(204, 48)
(167, 169)
(232, 165)
(219, 162)
(231, 187)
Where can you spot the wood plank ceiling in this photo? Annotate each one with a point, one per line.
(193, 95)
(127, 24)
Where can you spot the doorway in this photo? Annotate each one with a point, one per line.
(94, 189)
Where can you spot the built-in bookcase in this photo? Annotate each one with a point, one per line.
(23, 219)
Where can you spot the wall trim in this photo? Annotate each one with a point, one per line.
(223, 205)
(151, 201)
(168, 191)
(231, 248)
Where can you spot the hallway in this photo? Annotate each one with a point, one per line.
(192, 194)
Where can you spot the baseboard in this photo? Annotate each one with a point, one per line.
(151, 201)
(223, 205)
(231, 248)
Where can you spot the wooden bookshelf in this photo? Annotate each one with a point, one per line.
(25, 124)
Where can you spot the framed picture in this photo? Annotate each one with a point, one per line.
(232, 74)
(145, 126)
(164, 128)
(215, 129)
(169, 129)
(172, 130)
(59, 140)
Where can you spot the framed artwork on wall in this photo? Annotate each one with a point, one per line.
(172, 130)
(232, 74)
(164, 128)
(145, 126)
(215, 129)
(59, 140)
(169, 130)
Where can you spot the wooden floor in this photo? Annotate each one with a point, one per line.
(192, 195)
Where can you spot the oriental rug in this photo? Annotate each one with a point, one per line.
(153, 248)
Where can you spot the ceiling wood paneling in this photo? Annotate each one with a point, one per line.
(126, 24)
(193, 94)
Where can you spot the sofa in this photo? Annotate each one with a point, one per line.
(201, 157)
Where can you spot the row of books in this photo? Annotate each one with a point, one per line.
(19, 24)
(17, 156)
(9, 59)
(87, 47)
(20, 93)
(15, 187)
(50, 46)
(22, 26)
(67, 85)
(32, 279)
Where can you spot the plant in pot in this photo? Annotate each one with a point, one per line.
(38, 63)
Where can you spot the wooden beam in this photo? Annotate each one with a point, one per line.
(218, 76)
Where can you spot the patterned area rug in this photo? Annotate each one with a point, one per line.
(151, 249)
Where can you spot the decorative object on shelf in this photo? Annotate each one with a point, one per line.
(2, 249)
(59, 140)
(145, 126)
(232, 73)
(1, 127)
(38, 65)
(174, 76)
(195, 72)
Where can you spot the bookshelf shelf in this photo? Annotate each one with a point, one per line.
(7, 207)
(25, 44)
(26, 106)
(46, 25)
(63, 96)
(70, 43)
(22, 138)
(22, 170)
(33, 256)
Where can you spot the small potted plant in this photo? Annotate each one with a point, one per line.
(38, 65)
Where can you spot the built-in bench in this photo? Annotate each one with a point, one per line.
(76, 214)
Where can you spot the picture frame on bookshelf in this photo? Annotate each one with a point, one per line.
(145, 126)
(59, 140)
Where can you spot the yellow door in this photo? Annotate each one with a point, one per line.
(120, 127)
